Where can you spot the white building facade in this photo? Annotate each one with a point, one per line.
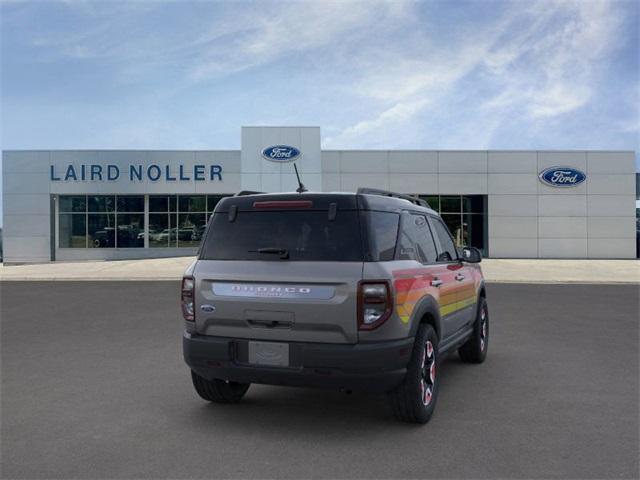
(120, 204)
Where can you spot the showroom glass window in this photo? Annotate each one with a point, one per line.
(179, 220)
(118, 221)
(162, 221)
(72, 221)
(101, 221)
(130, 221)
(465, 216)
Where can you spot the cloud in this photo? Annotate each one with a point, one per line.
(228, 38)
(538, 60)
(399, 74)
(398, 113)
(550, 68)
(405, 88)
(253, 37)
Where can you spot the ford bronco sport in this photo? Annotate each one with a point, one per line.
(349, 291)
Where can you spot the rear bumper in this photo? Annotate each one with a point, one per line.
(378, 366)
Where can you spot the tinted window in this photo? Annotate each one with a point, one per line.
(474, 203)
(454, 225)
(426, 240)
(101, 230)
(448, 252)
(465, 217)
(102, 203)
(130, 232)
(159, 231)
(415, 242)
(70, 203)
(474, 230)
(191, 228)
(158, 203)
(72, 228)
(131, 203)
(406, 242)
(305, 235)
(450, 204)
(192, 203)
(383, 232)
(433, 201)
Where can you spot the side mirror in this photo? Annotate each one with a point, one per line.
(471, 255)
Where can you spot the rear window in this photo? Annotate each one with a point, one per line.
(303, 235)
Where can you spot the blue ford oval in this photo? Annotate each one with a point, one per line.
(281, 153)
(562, 177)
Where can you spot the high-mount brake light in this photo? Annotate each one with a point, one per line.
(283, 204)
(186, 298)
(374, 304)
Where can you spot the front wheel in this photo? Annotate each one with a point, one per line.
(475, 349)
(219, 391)
(414, 400)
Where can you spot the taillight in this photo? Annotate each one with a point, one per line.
(374, 304)
(186, 298)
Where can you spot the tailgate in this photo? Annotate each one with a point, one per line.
(278, 301)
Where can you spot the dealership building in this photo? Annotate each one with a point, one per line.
(119, 204)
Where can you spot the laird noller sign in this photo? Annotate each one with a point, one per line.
(136, 173)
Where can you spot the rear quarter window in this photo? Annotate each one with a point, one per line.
(382, 234)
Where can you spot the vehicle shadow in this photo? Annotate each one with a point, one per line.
(287, 410)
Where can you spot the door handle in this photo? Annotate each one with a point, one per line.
(459, 277)
(436, 282)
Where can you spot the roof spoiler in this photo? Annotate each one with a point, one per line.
(385, 193)
(242, 193)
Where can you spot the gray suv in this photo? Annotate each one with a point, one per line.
(363, 291)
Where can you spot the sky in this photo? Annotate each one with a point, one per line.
(372, 74)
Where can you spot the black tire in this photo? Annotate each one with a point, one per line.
(414, 400)
(219, 391)
(475, 349)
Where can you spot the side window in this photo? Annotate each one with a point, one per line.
(415, 241)
(383, 228)
(426, 240)
(448, 251)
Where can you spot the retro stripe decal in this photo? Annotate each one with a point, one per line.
(453, 307)
(412, 284)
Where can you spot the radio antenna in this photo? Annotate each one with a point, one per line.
(301, 188)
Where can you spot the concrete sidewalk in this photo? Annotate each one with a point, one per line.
(495, 270)
(149, 269)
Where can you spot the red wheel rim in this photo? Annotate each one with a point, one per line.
(428, 373)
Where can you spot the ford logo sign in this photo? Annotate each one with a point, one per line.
(562, 177)
(281, 153)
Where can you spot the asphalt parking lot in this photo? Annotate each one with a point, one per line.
(94, 386)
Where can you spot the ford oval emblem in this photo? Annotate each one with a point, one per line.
(281, 153)
(562, 177)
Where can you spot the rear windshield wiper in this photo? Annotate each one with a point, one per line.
(283, 252)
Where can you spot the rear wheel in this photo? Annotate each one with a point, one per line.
(414, 400)
(219, 391)
(475, 349)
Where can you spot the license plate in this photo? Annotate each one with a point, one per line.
(269, 353)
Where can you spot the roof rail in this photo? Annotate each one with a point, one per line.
(242, 193)
(385, 193)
